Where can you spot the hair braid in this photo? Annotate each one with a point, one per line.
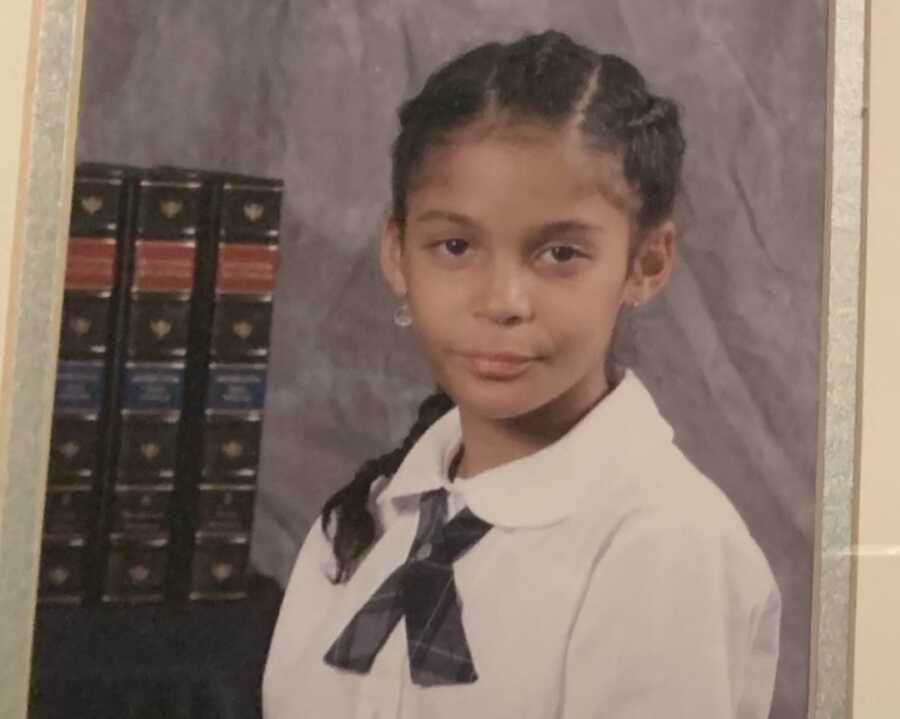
(647, 129)
(355, 529)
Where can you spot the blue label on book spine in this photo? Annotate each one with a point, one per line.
(236, 388)
(153, 387)
(79, 386)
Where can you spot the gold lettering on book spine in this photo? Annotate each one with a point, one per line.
(58, 576)
(138, 574)
(92, 204)
(80, 325)
(242, 329)
(160, 328)
(232, 449)
(253, 211)
(150, 450)
(171, 208)
(69, 449)
(221, 571)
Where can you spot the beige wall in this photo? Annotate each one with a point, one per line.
(17, 60)
(15, 19)
(877, 647)
(15, 48)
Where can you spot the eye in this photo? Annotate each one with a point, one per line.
(454, 247)
(562, 254)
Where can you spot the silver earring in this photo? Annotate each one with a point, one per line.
(402, 318)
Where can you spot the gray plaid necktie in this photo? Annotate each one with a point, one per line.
(424, 591)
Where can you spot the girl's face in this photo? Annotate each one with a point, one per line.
(514, 263)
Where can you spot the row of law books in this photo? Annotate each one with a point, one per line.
(160, 390)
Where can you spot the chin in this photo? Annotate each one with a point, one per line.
(499, 400)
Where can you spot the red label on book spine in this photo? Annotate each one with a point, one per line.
(90, 264)
(246, 269)
(163, 266)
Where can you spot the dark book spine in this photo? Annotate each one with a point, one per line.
(226, 411)
(151, 353)
(91, 297)
(195, 380)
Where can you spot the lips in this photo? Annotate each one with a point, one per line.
(498, 365)
(508, 357)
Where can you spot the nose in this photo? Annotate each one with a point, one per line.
(504, 296)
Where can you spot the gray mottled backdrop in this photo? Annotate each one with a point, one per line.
(307, 90)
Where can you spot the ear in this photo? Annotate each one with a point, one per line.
(391, 257)
(651, 267)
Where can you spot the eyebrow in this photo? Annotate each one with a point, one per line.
(550, 228)
(447, 216)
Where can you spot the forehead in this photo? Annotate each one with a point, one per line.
(531, 164)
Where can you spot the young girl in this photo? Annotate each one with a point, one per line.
(537, 547)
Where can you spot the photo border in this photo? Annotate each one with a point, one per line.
(840, 372)
(35, 299)
(38, 262)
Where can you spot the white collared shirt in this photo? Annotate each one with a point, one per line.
(618, 582)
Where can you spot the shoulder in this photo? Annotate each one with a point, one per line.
(308, 595)
(665, 513)
(315, 557)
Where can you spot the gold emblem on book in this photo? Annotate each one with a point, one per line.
(232, 449)
(58, 576)
(221, 571)
(171, 208)
(92, 204)
(80, 325)
(227, 499)
(65, 499)
(160, 328)
(70, 449)
(253, 211)
(138, 573)
(242, 329)
(146, 501)
(150, 450)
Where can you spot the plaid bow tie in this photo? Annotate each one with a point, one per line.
(424, 591)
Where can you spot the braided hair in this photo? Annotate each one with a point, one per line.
(356, 527)
(548, 79)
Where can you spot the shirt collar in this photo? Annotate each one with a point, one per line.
(545, 486)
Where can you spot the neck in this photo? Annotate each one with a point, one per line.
(490, 443)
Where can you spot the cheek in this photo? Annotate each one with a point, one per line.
(434, 294)
(432, 299)
(434, 308)
(586, 319)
